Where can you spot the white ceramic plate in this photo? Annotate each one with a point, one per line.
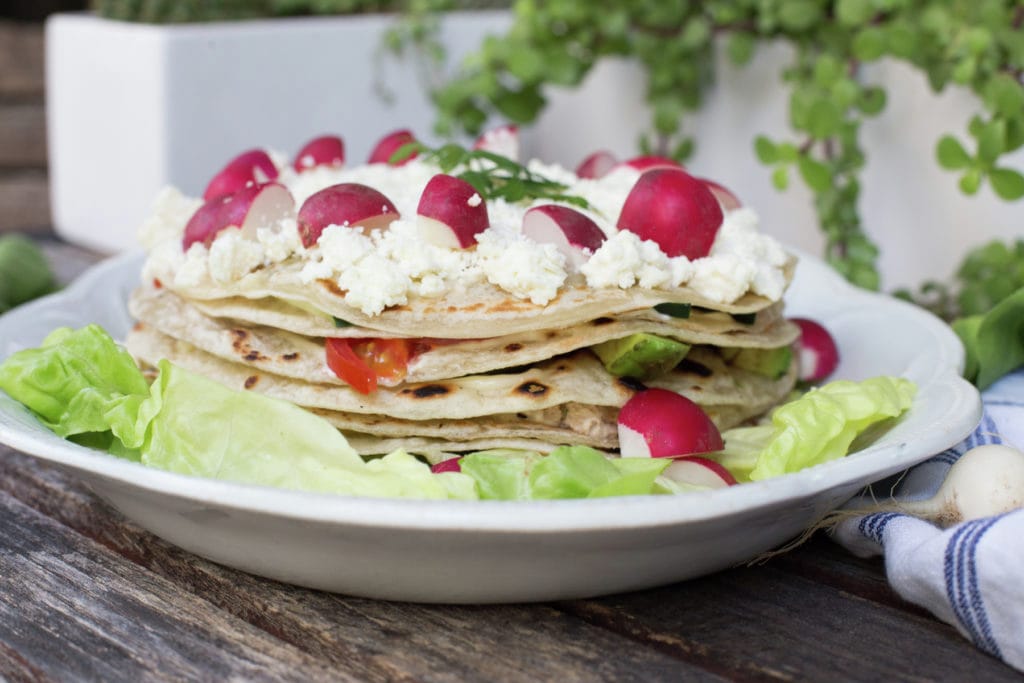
(450, 551)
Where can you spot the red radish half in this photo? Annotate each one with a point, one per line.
(252, 207)
(326, 150)
(503, 140)
(451, 213)
(651, 161)
(597, 165)
(252, 167)
(349, 204)
(388, 145)
(675, 210)
(819, 354)
(449, 465)
(725, 197)
(658, 423)
(699, 471)
(574, 233)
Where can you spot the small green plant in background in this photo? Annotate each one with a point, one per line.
(978, 45)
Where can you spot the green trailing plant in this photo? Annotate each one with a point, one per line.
(978, 45)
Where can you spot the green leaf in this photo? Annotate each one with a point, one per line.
(827, 69)
(816, 174)
(991, 140)
(970, 181)
(951, 154)
(766, 150)
(520, 107)
(872, 101)
(869, 44)
(1007, 183)
(780, 178)
(854, 12)
(741, 48)
(824, 118)
(994, 342)
(799, 15)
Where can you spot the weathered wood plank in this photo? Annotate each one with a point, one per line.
(75, 611)
(761, 623)
(23, 136)
(24, 201)
(376, 641)
(21, 60)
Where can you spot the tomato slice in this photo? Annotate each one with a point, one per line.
(387, 358)
(349, 367)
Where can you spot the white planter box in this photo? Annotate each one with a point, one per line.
(134, 107)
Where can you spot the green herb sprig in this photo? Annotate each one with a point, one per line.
(492, 175)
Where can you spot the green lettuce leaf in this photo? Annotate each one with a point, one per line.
(567, 472)
(83, 386)
(815, 428)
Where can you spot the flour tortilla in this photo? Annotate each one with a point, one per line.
(574, 378)
(482, 310)
(290, 355)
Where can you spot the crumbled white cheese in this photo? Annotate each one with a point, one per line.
(386, 267)
(232, 256)
(624, 260)
(521, 266)
(171, 212)
(723, 278)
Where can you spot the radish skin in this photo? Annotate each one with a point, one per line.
(985, 481)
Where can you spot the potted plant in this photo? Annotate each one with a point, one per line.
(145, 94)
(848, 103)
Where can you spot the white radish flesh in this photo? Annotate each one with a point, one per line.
(985, 481)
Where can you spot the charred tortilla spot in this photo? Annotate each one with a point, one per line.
(251, 380)
(427, 391)
(551, 334)
(138, 327)
(513, 347)
(695, 368)
(631, 383)
(532, 388)
(601, 321)
(253, 355)
(290, 356)
(522, 416)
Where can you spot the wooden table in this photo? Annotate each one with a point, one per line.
(87, 595)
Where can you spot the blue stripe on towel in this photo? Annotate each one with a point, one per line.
(962, 588)
(873, 526)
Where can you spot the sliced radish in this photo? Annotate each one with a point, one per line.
(503, 140)
(326, 150)
(819, 354)
(692, 469)
(597, 165)
(449, 465)
(252, 207)
(348, 204)
(574, 233)
(451, 213)
(388, 145)
(724, 195)
(249, 168)
(658, 423)
(675, 210)
(651, 161)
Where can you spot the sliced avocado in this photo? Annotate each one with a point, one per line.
(641, 355)
(745, 318)
(768, 362)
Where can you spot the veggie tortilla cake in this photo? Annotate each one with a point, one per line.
(453, 301)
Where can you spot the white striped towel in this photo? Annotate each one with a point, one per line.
(970, 575)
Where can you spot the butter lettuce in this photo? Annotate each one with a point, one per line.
(567, 472)
(83, 386)
(815, 428)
